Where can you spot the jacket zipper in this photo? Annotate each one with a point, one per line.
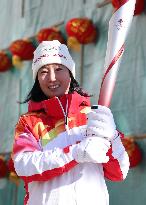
(65, 113)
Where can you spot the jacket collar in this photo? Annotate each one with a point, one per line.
(53, 108)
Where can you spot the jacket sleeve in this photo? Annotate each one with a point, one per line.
(32, 163)
(117, 167)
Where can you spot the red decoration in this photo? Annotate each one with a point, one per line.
(117, 3)
(5, 62)
(23, 49)
(133, 150)
(49, 34)
(139, 7)
(12, 173)
(11, 165)
(82, 29)
(3, 168)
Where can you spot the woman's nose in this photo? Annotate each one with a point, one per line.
(52, 76)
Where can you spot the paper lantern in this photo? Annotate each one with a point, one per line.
(13, 177)
(11, 165)
(5, 62)
(81, 30)
(139, 7)
(117, 3)
(49, 34)
(3, 168)
(133, 150)
(23, 49)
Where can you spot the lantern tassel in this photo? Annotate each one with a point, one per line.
(73, 43)
(17, 62)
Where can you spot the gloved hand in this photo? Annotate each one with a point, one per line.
(101, 123)
(91, 149)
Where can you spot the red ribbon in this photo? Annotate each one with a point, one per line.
(120, 52)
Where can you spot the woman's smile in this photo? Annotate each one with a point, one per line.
(52, 87)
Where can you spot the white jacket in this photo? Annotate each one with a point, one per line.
(43, 158)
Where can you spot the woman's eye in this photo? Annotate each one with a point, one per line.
(44, 71)
(58, 69)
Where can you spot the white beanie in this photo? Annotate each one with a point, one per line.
(49, 52)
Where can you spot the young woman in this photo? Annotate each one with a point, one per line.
(63, 150)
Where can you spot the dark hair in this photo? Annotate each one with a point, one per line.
(37, 95)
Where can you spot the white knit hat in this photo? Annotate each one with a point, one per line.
(49, 52)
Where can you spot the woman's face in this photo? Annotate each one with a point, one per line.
(54, 80)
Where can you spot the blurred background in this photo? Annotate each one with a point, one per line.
(83, 26)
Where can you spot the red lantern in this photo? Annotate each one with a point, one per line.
(3, 168)
(117, 3)
(82, 29)
(12, 173)
(133, 150)
(139, 7)
(23, 49)
(5, 62)
(49, 34)
(11, 165)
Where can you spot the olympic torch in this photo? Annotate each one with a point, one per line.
(118, 28)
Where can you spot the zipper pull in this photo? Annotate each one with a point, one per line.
(66, 120)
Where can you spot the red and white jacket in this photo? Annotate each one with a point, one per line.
(43, 159)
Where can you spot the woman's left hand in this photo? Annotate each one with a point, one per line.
(101, 123)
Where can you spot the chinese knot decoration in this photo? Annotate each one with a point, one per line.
(133, 150)
(49, 34)
(139, 6)
(80, 31)
(5, 62)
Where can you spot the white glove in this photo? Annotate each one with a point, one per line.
(91, 150)
(101, 123)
